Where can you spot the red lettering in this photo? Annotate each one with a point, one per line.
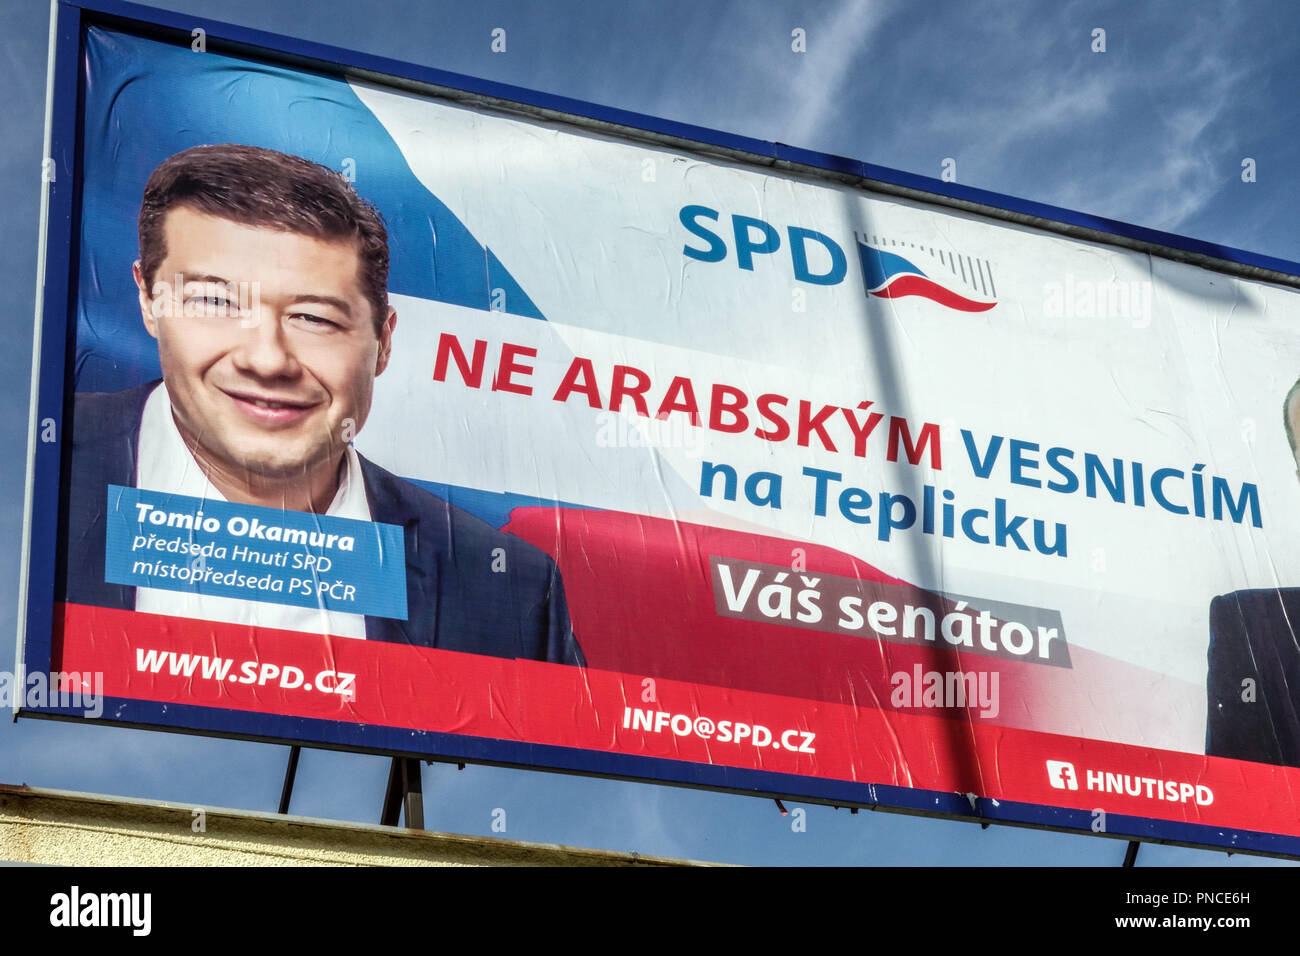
(671, 403)
(619, 389)
(815, 424)
(862, 432)
(579, 377)
(898, 430)
(449, 347)
(780, 430)
(508, 368)
(719, 404)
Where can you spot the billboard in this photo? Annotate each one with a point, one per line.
(386, 410)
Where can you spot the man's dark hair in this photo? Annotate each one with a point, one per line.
(262, 187)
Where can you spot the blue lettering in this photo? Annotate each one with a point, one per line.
(968, 524)
(1158, 489)
(983, 468)
(839, 265)
(852, 501)
(746, 246)
(888, 522)
(770, 498)
(717, 250)
(1019, 462)
(1070, 484)
(1249, 497)
(1004, 529)
(819, 502)
(709, 471)
(1093, 469)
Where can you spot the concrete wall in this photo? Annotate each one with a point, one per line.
(76, 829)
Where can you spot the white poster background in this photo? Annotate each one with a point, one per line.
(1193, 371)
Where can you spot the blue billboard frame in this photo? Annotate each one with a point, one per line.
(53, 352)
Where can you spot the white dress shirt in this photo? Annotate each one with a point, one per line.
(166, 465)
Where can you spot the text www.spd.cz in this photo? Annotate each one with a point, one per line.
(261, 673)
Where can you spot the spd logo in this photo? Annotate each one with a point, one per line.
(889, 266)
(959, 282)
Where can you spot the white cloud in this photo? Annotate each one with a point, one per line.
(838, 43)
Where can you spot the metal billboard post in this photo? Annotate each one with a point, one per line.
(404, 792)
(290, 772)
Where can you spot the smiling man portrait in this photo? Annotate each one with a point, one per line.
(263, 277)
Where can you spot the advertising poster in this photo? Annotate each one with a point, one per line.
(399, 421)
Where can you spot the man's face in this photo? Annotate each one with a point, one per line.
(278, 390)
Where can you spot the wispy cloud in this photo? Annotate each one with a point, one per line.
(840, 43)
(1155, 114)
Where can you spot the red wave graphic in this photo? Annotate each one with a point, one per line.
(903, 285)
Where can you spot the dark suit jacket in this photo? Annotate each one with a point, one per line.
(1253, 635)
(454, 600)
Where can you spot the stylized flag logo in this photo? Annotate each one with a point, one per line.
(890, 276)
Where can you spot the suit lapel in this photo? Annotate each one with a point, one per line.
(389, 505)
(105, 449)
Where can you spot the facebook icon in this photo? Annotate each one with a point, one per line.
(1062, 775)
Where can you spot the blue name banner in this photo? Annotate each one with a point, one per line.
(182, 543)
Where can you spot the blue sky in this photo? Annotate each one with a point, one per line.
(1153, 131)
